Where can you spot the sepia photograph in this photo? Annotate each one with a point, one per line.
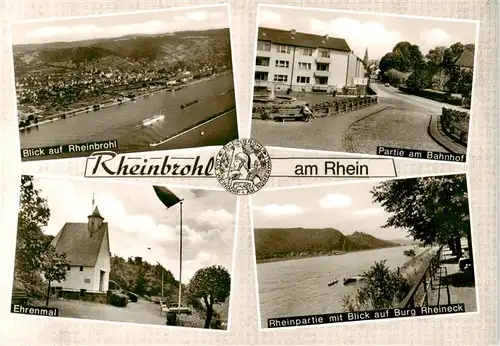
(364, 251)
(363, 82)
(123, 252)
(126, 83)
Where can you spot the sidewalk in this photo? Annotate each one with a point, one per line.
(460, 285)
(437, 133)
(325, 133)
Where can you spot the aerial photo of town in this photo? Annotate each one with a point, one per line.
(150, 81)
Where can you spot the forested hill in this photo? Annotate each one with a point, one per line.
(279, 243)
(191, 49)
(141, 277)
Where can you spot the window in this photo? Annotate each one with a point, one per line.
(301, 79)
(81, 269)
(264, 46)
(304, 65)
(307, 51)
(282, 63)
(325, 54)
(280, 78)
(87, 281)
(322, 67)
(261, 61)
(284, 49)
(322, 80)
(68, 268)
(261, 76)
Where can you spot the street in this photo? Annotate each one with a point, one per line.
(399, 121)
(140, 312)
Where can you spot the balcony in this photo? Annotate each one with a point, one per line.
(323, 60)
(320, 73)
(261, 68)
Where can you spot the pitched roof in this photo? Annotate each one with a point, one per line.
(80, 248)
(302, 39)
(96, 213)
(466, 59)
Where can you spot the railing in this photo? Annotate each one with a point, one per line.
(448, 117)
(419, 293)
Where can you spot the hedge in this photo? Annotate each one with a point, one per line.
(118, 299)
(434, 95)
(449, 119)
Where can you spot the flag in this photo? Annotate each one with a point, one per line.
(167, 197)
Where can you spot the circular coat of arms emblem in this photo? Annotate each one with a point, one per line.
(243, 166)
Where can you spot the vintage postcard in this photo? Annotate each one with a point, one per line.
(363, 82)
(124, 252)
(124, 83)
(364, 251)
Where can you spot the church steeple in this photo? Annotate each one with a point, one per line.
(365, 59)
(95, 220)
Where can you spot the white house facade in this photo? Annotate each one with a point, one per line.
(86, 246)
(304, 62)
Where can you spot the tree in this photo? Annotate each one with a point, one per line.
(396, 77)
(213, 285)
(382, 289)
(419, 79)
(54, 268)
(31, 243)
(432, 209)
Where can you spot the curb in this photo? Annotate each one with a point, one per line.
(442, 139)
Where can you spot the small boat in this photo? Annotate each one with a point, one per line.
(352, 279)
(189, 104)
(152, 120)
(333, 282)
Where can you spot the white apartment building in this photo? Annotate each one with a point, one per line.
(290, 59)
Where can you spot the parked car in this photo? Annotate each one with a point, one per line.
(386, 84)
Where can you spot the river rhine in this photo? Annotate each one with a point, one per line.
(124, 122)
(300, 287)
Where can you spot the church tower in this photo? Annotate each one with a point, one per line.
(95, 220)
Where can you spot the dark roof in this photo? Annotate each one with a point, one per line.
(80, 248)
(302, 39)
(96, 213)
(466, 59)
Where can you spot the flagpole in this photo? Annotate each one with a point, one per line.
(180, 261)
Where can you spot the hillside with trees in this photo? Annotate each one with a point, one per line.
(191, 50)
(288, 243)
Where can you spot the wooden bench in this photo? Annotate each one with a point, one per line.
(20, 297)
(289, 114)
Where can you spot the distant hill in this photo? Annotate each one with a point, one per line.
(405, 241)
(187, 48)
(367, 241)
(276, 243)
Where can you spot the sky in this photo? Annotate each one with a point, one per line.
(376, 32)
(345, 207)
(137, 220)
(146, 23)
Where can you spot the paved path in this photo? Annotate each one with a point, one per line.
(404, 125)
(400, 120)
(321, 134)
(461, 285)
(141, 312)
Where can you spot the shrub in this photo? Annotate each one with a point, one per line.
(454, 115)
(133, 297)
(118, 299)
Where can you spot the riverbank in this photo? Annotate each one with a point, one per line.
(309, 255)
(113, 102)
(415, 267)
